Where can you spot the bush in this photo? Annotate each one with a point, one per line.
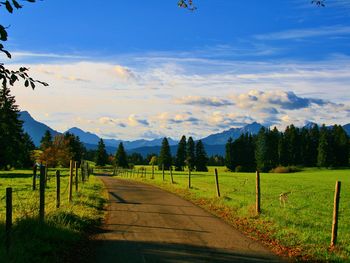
(239, 169)
(285, 169)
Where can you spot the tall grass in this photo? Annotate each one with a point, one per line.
(300, 226)
(64, 228)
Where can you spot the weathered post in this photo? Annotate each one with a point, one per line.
(171, 174)
(152, 171)
(34, 177)
(76, 176)
(189, 177)
(258, 195)
(217, 182)
(58, 189)
(163, 171)
(46, 175)
(82, 172)
(335, 213)
(8, 217)
(145, 172)
(70, 181)
(42, 193)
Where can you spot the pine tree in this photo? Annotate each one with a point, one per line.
(46, 140)
(201, 157)
(190, 154)
(229, 155)
(26, 152)
(341, 146)
(261, 151)
(164, 155)
(11, 133)
(121, 159)
(101, 156)
(181, 154)
(76, 147)
(323, 148)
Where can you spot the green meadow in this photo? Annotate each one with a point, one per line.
(298, 226)
(64, 230)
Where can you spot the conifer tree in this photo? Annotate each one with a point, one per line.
(341, 146)
(121, 159)
(75, 146)
(190, 154)
(261, 151)
(46, 140)
(11, 133)
(164, 155)
(201, 157)
(26, 152)
(229, 155)
(323, 148)
(181, 154)
(101, 155)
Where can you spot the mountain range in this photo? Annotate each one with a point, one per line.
(214, 143)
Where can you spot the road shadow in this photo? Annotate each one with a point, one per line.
(140, 251)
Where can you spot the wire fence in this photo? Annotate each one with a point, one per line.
(25, 197)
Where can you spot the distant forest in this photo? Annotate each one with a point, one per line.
(308, 147)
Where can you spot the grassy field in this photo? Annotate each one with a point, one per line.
(301, 228)
(64, 229)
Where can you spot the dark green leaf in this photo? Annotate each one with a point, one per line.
(16, 4)
(26, 83)
(3, 33)
(9, 6)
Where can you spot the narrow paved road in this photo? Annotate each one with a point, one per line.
(147, 224)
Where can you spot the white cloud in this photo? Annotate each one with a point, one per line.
(306, 33)
(171, 96)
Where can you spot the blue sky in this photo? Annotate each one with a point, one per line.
(144, 69)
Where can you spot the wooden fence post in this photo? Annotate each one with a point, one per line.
(34, 176)
(189, 177)
(82, 172)
(258, 195)
(163, 171)
(42, 193)
(70, 181)
(171, 174)
(217, 182)
(58, 189)
(145, 172)
(8, 217)
(335, 213)
(152, 171)
(76, 176)
(46, 175)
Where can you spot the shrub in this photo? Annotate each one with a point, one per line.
(285, 169)
(239, 169)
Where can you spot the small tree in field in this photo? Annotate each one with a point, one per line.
(190, 154)
(164, 155)
(181, 155)
(101, 156)
(153, 160)
(201, 157)
(121, 159)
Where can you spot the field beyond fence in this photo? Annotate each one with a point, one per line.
(296, 209)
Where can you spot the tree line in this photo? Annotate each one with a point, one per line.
(189, 153)
(308, 147)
